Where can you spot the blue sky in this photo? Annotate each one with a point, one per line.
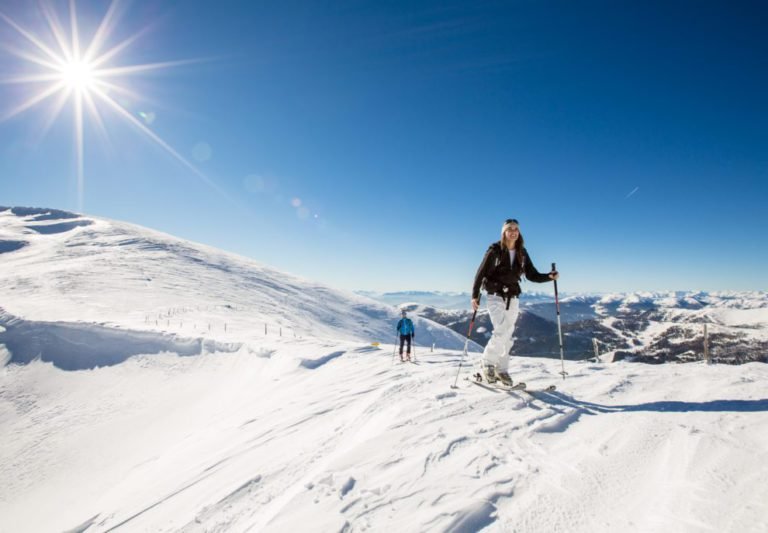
(380, 145)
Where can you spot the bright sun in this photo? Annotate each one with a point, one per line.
(79, 75)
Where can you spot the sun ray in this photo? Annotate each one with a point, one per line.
(112, 52)
(94, 113)
(80, 148)
(74, 30)
(58, 32)
(31, 38)
(102, 33)
(34, 100)
(54, 113)
(28, 56)
(134, 69)
(119, 89)
(160, 142)
(32, 78)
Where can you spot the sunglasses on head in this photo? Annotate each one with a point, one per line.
(511, 221)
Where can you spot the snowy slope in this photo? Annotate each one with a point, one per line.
(241, 431)
(101, 272)
(309, 436)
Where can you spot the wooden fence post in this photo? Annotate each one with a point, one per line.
(707, 357)
(597, 350)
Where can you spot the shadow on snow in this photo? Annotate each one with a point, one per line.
(668, 406)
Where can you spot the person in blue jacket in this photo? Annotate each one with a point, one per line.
(407, 333)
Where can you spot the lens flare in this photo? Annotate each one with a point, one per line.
(148, 117)
(254, 183)
(202, 152)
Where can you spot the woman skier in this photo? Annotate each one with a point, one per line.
(499, 274)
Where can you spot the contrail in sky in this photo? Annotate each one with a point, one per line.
(633, 192)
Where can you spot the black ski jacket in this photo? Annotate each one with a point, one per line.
(496, 273)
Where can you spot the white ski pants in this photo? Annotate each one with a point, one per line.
(497, 350)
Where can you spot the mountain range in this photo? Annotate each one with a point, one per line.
(651, 327)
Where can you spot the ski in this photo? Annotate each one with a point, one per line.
(478, 380)
(551, 388)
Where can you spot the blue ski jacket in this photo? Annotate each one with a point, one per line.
(405, 327)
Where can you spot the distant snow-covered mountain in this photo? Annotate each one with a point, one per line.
(440, 299)
(644, 326)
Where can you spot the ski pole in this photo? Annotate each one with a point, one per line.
(413, 348)
(559, 328)
(394, 349)
(466, 345)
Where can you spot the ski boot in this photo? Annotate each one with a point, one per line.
(504, 377)
(489, 373)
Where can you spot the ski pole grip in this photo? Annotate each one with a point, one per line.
(478, 307)
(553, 267)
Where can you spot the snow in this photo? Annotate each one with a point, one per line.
(118, 275)
(742, 317)
(237, 442)
(241, 431)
